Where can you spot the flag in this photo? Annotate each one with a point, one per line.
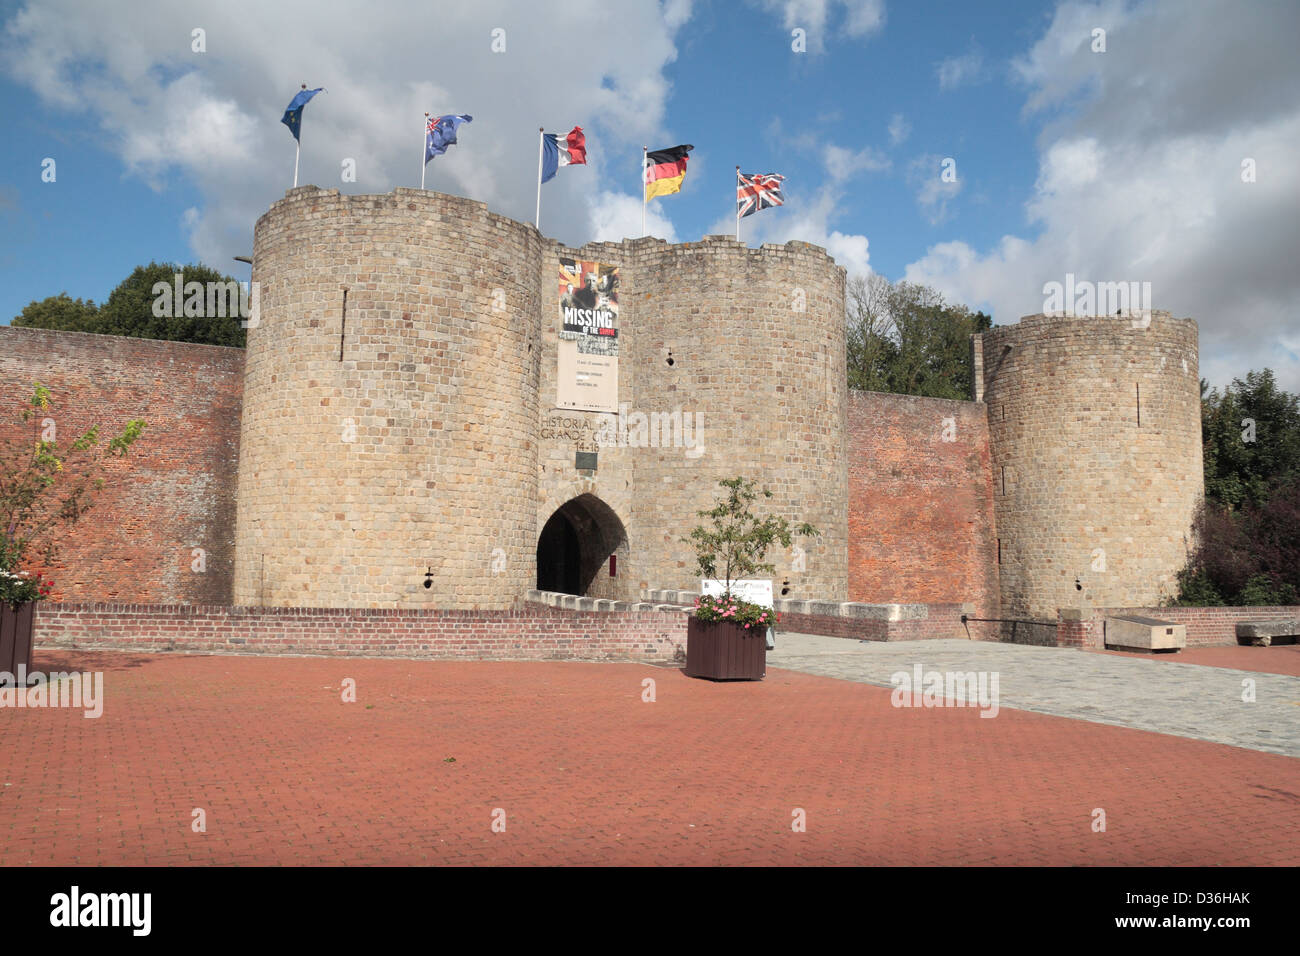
(292, 117)
(441, 133)
(758, 191)
(664, 170)
(558, 150)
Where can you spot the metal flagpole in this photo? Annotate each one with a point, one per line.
(297, 150)
(537, 219)
(738, 204)
(644, 160)
(424, 149)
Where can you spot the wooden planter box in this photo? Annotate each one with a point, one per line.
(16, 637)
(725, 651)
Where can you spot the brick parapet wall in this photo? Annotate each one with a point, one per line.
(531, 631)
(1206, 626)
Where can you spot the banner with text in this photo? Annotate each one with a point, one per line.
(587, 376)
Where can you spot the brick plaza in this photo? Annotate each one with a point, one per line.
(587, 772)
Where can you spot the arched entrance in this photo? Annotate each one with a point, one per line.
(575, 544)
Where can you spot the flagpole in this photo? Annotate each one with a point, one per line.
(537, 219)
(424, 148)
(644, 151)
(738, 204)
(297, 149)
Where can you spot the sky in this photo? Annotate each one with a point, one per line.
(1113, 141)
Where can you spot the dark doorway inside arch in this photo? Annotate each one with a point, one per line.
(575, 543)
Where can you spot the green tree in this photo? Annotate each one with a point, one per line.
(132, 308)
(904, 338)
(734, 543)
(1251, 437)
(59, 312)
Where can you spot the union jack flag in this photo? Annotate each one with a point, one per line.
(758, 191)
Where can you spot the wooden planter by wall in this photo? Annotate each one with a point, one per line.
(16, 637)
(725, 651)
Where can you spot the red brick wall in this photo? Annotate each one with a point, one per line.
(533, 632)
(173, 493)
(921, 526)
(1205, 625)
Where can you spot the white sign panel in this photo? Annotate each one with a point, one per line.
(755, 591)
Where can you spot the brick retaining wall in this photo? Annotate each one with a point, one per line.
(530, 632)
(1205, 625)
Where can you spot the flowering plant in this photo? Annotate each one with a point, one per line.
(19, 587)
(710, 609)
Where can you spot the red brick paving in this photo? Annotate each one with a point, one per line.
(1278, 659)
(588, 773)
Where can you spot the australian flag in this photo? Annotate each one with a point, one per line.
(441, 133)
(758, 191)
(292, 117)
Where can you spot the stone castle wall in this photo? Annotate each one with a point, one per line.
(1095, 429)
(394, 413)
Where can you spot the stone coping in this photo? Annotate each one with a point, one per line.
(656, 599)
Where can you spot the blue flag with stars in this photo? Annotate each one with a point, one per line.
(292, 117)
(441, 133)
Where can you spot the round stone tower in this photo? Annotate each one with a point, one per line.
(750, 344)
(390, 405)
(1095, 430)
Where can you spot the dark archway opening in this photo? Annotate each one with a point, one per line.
(575, 544)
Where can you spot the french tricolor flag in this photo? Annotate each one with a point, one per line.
(559, 150)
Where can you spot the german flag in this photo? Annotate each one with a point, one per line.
(664, 171)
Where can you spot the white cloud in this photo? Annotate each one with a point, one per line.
(842, 164)
(961, 70)
(1140, 177)
(861, 18)
(899, 129)
(212, 119)
(617, 216)
(933, 193)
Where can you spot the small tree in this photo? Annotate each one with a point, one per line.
(45, 484)
(733, 545)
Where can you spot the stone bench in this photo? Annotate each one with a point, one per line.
(1261, 633)
(1134, 633)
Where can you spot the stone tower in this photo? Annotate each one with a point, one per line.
(1095, 429)
(390, 405)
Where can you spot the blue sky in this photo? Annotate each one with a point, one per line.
(1113, 165)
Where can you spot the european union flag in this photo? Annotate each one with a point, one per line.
(292, 117)
(441, 133)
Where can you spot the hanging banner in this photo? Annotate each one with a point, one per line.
(587, 373)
